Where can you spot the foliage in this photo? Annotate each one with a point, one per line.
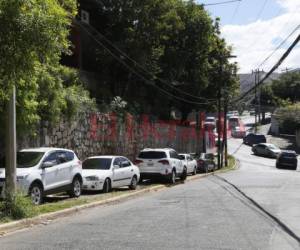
(289, 118)
(283, 91)
(16, 207)
(33, 35)
(172, 42)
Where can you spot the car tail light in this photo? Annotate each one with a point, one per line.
(164, 162)
(79, 163)
(138, 162)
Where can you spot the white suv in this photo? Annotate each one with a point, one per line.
(43, 171)
(160, 162)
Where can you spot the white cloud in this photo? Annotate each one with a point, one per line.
(253, 42)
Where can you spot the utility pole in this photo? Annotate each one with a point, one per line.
(11, 145)
(219, 119)
(255, 99)
(225, 132)
(258, 98)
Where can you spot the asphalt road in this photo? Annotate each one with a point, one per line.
(208, 213)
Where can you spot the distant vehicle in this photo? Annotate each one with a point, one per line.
(210, 119)
(107, 172)
(252, 112)
(206, 163)
(233, 121)
(266, 149)
(238, 132)
(43, 171)
(190, 163)
(287, 159)
(252, 139)
(160, 162)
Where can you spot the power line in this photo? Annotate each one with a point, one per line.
(273, 52)
(147, 81)
(220, 3)
(139, 66)
(279, 46)
(261, 10)
(283, 57)
(235, 11)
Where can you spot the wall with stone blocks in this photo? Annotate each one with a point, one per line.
(97, 133)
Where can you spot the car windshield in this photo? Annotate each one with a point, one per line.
(152, 155)
(28, 159)
(97, 163)
(272, 147)
(285, 154)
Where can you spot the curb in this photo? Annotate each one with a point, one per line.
(45, 218)
(11, 227)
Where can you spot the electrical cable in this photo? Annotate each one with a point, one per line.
(235, 11)
(139, 66)
(220, 3)
(273, 52)
(147, 81)
(280, 61)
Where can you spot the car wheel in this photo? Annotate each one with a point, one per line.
(172, 177)
(184, 174)
(195, 171)
(106, 186)
(75, 191)
(133, 183)
(36, 194)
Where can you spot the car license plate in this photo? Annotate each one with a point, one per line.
(150, 164)
(210, 165)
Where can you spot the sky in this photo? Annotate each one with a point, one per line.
(254, 28)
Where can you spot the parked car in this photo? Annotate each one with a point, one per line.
(43, 171)
(287, 159)
(266, 149)
(238, 132)
(206, 163)
(190, 163)
(160, 162)
(107, 172)
(252, 139)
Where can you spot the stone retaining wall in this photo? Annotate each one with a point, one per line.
(98, 133)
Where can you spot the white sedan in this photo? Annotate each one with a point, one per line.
(189, 162)
(107, 172)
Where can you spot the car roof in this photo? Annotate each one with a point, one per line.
(157, 149)
(43, 149)
(104, 156)
(289, 151)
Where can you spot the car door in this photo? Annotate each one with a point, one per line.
(127, 171)
(65, 167)
(176, 161)
(190, 166)
(50, 175)
(118, 175)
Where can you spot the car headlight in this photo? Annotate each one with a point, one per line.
(92, 178)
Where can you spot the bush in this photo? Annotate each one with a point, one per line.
(17, 207)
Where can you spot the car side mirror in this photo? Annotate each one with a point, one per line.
(116, 167)
(47, 164)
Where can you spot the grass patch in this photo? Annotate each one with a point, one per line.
(231, 165)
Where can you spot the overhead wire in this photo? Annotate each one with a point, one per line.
(280, 61)
(235, 11)
(147, 81)
(143, 69)
(221, 3)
